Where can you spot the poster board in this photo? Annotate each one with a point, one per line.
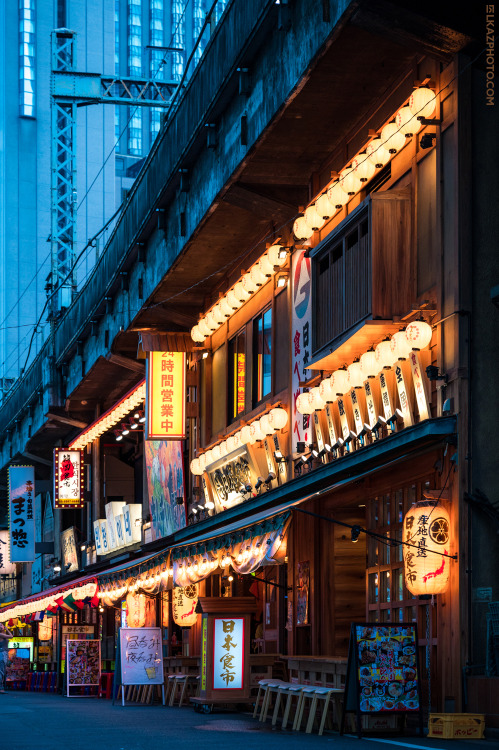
(383, 674)
(19, 658)
(83, 665)
(141, 658)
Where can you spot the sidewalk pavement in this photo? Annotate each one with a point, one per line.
(41, 721)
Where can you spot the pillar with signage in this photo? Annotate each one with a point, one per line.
(225, 650)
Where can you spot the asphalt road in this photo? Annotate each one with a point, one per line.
(40, 721)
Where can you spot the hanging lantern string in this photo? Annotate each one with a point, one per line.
(436, 502)
(389, 541)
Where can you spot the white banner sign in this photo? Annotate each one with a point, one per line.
(6, 568)
(141, 656)
(228, 653)
(21, 513)
(301, 342)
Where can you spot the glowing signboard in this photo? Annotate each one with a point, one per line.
(228, 653)
(69, 483)
(165, 396)
(21, 513)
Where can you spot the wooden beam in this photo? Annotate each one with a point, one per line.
(127, 362)
(65, 419)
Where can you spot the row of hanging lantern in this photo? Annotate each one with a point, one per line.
(373, 157)
(259, 274)
(416, 336)
(133, 584)
(273, 421)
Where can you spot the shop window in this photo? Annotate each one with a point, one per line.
(219, 390)
(282, 340)
(237, 375)
(262, 356)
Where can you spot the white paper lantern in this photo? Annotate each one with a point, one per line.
(233, 300)
(225, 307)
(237, 440)
(365, 169)
(203, 327)
(265, 265)
(195, 467)
(256, 431)
(196, 335)
(211, 322)
(301, 229)
(326, 391)
(377, 153)
(315, 399)
(324, 206)
(249, 285)
(427, 525)
(303, 405)
(246, 435)
(313, 218)
(277, 255)
(240, 292)
(336, 195)
(422, 102)
(418, 334)
(209, 458)
(406, 122)
(368, 364)
(350, 181)
(391, 138)
(266, 425)
(355, 375)
(279, 417)
(258, 276)
(218, 314)
(384, 355)
(339, 382)
(224, 448)
(202, 461)
(400, 346)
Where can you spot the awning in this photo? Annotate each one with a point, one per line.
(152, 341)
(79, 590)
(150, 573)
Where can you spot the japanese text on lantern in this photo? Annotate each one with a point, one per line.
(165, 396)
(228, 658)
(68, 478)
(21, 516)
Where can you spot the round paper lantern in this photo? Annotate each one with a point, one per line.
(236, 440)
(391, 138)
(218, 314)
(196, 335)
(384, 355)
(315, 400)
(303, 405)
(258, 276)
(277, 255)
(224, 448)
(233, 300)
(184, 603)
(336, 195)
(249, 285)
(246, 434)
(136, 610)
(256, 431)
(313, 218)
(406, 122)
(422, 102)
(211, 322)
(418, 334)
(326, 391)
(279, 417)
(240, 292)
(225, 307)
(368, 364)
(364, 167)
(209, 458)
(266, 266)
(204, 328)
(266, 425)
(324, 206)
(377, 153)
(426, 525)
(202, 461)
(355, 375)
(339, 382)
(195, 467)
(400, 346)
(301, 229)
(350, 181)
(217, 452)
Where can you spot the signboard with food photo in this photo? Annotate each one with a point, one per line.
(383, 671)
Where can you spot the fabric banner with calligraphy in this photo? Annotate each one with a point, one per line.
(68, 478)
(21, 513)
(141, 656)
(301, 343)
(165, 396)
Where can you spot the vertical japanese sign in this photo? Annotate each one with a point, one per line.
(301, 343)
(184, 604)
(204, 652)
(21, 513)
(165, 396)
(69, 550)
(69, 484)
(6, 568)
(228, 653)
(239, 384)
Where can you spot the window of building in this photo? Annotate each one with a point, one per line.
(134, 38)
(135, 133)
(237, 375)
(117, 37)
(27, 57)
(262, 356)
(178, 27)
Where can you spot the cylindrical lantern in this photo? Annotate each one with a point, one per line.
(225, 307)
(314, 220)
(202, 462)
(406, 122)
(258, 276)
(339, 382)
(277, 255)
(209, 458)
(422, 102)
(136, 610)
(384, 355)
(216, 452)
(223, 448)
(336, 195)
(368, 364)
(184, 604)
(350, 181)
(196, 335)
(426, 525)
(237, 440)
(249, 285)
(365, 168)
(418, 334)
(195, 467)
(279, 418)
(391, 138)
(203, 327)
(218, 314)
(315, 400)
(377, 153)
(232, 300)
(241, 294)
(324, 206)
(265, 265)
(355, 375)
(230, 444)
(326, 391)
(211, 322)
(301, 229)
(246, 434)
(256, 431)
(266, 425)
(303, 405)
(400, 346)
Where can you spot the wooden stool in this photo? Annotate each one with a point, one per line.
(191, 680)
(307, 692)
(262, 685)
(178, 686)
(271, 688)
(291, 691)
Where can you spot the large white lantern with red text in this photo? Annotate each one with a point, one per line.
(426, 569)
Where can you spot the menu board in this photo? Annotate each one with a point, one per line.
(141, 656)
(383, 671)
(83, 663)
